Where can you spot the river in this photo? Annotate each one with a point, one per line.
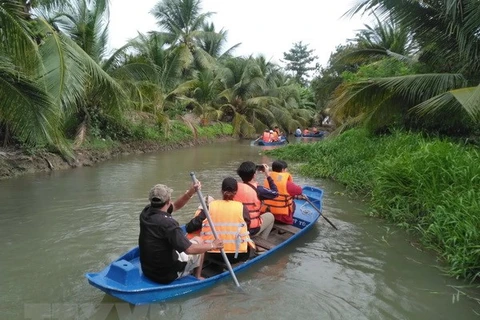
(55, 227)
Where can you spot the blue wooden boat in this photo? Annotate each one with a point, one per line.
(319, 134)
(123, 278)
(282, 140)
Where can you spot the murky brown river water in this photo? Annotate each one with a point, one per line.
(56, 227)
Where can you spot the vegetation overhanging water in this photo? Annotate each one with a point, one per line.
(427, 185)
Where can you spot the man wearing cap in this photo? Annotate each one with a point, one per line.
(165, 252)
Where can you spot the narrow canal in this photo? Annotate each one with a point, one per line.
(56, 227)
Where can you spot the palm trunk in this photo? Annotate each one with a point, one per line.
(81, 133)
(5, 139)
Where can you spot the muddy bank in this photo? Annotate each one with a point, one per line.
(16, 162)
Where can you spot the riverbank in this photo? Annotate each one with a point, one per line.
(17, 162)
(429, 186)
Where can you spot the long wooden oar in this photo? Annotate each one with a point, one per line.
(212, 227)
(318, 210)
(253, 142)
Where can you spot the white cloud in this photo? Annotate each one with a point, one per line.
(268, 27)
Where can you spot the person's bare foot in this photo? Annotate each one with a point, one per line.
(200, 278)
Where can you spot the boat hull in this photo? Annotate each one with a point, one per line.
(124, 279)
(282, 140)
(321, 134)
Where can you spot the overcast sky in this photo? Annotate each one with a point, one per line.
(269, 27)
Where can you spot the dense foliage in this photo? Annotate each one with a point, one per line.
(58, 85)
(428, 185)
(436, 86)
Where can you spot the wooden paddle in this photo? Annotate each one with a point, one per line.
(308, 200)
(212, 227)
(253, 142)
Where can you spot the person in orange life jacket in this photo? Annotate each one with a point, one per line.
(265, 136)
(282, 206)
(251, 195)
(274, 135)
(195, 231)
(305, 132)
(271, 136)
(277, 130)
(230, 219)
(165, 252)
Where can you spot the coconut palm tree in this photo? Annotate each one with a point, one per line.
(384, 39)
(27, 111)
(447, 34)
(152, 74)
(85, 24)
(213, 42)
(243, 100)
(182, 22)
(203, 93)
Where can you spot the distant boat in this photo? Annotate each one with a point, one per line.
(282, 140)
(124, 279)
(319, 134)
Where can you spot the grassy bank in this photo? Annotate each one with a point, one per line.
(177, 132)
(428, 185)
(137, 138)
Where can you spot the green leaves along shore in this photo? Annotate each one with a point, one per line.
(427, 185)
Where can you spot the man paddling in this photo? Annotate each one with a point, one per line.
(165, 252)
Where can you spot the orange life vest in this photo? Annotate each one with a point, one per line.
(196, 233)
(266, 137)
(283, 204)
(248, 196)
(274, 136)
(306, 131)
(227, 217)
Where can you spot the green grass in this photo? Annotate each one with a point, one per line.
(100, 144)
(428, 185)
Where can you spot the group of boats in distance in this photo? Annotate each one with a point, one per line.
(284, 139)
(123, 278)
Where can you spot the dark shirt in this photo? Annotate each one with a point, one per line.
(160, 237)
(268, 193)
(196, 223)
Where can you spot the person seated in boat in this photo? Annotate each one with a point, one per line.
(274, 135)
(266, 136)
(306, 132)
(283, 206)
(251, 194)
(298, 132)
(315, 130)
(194, 230)
(277, 130)
(165, 252)
(230, 219)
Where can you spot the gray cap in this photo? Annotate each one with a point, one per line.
(160, 193)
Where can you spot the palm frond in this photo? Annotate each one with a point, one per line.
(453, 101)
(104, 87)
(27, 108)
(17, 38)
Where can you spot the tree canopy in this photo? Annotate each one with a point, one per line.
(299, 61)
